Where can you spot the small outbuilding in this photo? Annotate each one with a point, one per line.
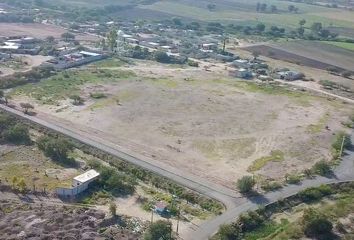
(80, 184)
(290, 75)
(241, 73)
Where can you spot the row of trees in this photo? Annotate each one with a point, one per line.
(263, 7)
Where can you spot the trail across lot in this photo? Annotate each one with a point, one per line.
(235, 204)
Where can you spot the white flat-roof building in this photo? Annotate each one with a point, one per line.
(85, 178)
(80, 183)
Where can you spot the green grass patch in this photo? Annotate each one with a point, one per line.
(275, 156)
(320, 125)
(109, 63)
(300, 98)
(345, 45)
(267, 229)
(67, 83)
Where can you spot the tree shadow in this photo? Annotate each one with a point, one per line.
(256, 197)
(31, 113)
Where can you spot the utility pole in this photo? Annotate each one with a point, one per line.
(152, 215)
(341, 147)
(178, 217)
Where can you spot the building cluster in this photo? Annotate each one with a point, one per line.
(20, 45)
(74, 58)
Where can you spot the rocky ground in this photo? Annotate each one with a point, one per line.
(38, 221)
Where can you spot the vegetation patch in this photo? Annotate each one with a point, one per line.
(275, 156)
(68, 83)
(318, 127)
(317, 219)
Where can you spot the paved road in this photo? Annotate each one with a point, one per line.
(235, 204)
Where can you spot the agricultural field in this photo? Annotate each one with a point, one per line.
(241, 11)
(226, 11)
(202, 122)
(349, 46)
(309, 53)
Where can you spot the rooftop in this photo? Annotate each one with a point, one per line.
(87, 176)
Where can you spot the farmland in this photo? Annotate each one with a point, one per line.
(226, 11)
(313, 54)
(244, 11)
(204, 123)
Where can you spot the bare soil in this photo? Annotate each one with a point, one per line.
(40, 221)
(206, 124)
(38, 30)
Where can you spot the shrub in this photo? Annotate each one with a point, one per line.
(17, 134)
(228, 232)
(193, 63)
(316, 224)
(322, 168)
(293, 179)
(315, 194)
(245, 184)
(55, 148)
(271, 186)
(159, 230)
(337, 144)
(250, 221)
(113, 209)
(97, 95)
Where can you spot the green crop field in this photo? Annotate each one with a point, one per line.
(228, 11)
(345, 45)
(245, 11)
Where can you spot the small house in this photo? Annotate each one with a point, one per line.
(209, 46)
(290, 75)
(241, 63)
(80, 184)
(241, 73)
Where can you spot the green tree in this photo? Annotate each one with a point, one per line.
(112, 38)
(302, 22)
(77, 99)
(17, 134)
(162, 57)
(228, 232)
(159, 230)
(260, 27)
(316, 224)
(7, 97)
(316, 27)
(2, 94)
(68, 36)
(245, 184)
(55, 148)
(273, 9)
(26, 107)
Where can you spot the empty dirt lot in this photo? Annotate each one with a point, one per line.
(206, 124)
(38, 30)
